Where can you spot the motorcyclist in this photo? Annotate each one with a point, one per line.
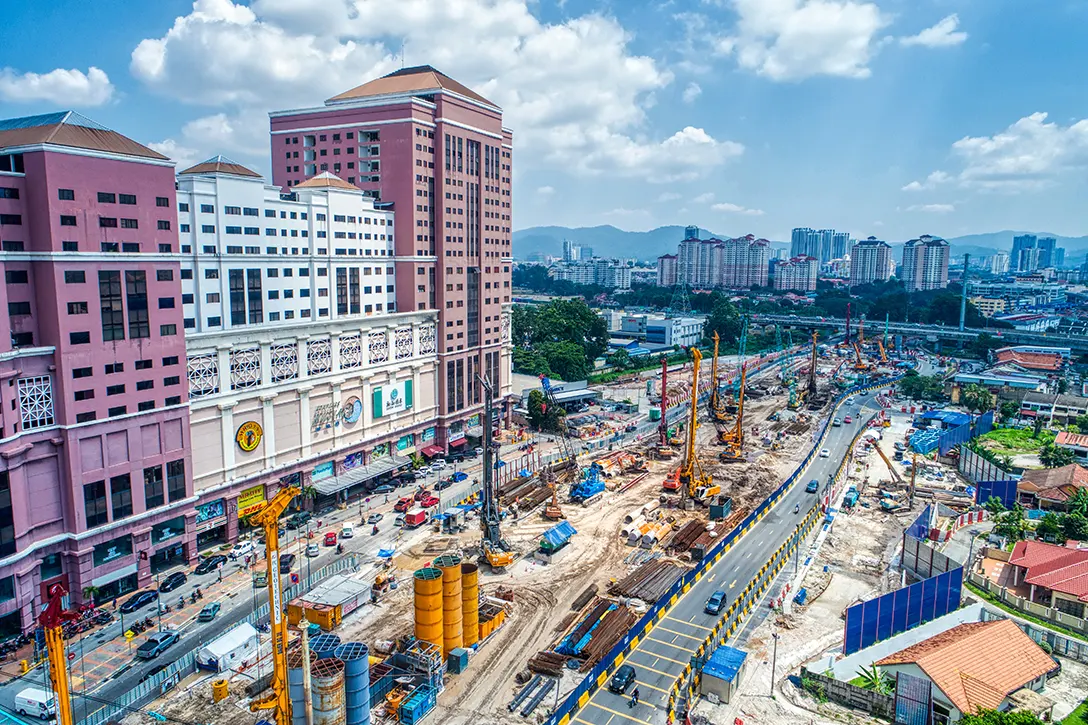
(339, 548)
(797, 508)
(374, 531)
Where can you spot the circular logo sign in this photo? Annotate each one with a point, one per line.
(352, 410)
(249, 436)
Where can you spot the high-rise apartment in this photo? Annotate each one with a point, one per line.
(925, 263)
(1024, 256)
(438, 151)
(869, 262)
(805, 242)
(840, 245)
(798, 274)
(827, 245)
(666, 270)
(1047, 247)
(96, 477)
(999, 263)
(708, 263)
(744, 262)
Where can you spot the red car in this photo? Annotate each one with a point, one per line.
(429, 501)
(330, 538)
(847, 419)
(403, 505)
(422, 494)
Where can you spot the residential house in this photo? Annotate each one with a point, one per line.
(1059, 409)
(1050, 488)
(1075, 442)
(974, 665)
(1057, 575)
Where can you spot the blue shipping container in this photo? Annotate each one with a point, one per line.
(416, 706)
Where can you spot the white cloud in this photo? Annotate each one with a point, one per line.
(60, 86)
(545, 191)
(1028, 154)
(932, 181)
(692, 92)
(573, 91)
(704, 198)
(932, 208)
(669, 196)
(941, 35)
(788, 40)
(185, 156)
(736, 209)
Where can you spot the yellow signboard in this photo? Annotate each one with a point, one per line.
(249, 436)
(251, 500)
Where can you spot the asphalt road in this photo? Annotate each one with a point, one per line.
(661, 657)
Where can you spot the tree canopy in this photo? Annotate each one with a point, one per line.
(561, 338)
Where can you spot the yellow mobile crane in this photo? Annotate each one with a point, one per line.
(268, 518)
(694, 482)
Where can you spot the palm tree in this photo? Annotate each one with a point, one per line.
(875, 680)
(1078, 502)
(417, 461)
(89, 593)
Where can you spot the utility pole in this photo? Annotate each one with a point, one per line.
(774, 662)
(963, 292)
(913, 475)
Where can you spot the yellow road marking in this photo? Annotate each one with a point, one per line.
(647, 667)
(663, 628)
(690, 624)
(733, 584)
(618, 714)
(670, 644)
(643, 684)
(651, 653)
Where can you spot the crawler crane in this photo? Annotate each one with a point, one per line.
(733, 437)
(695, 483)
(52, 621)
(268, 519)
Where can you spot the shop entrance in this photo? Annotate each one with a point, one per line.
(117, 588)
(208, 538)
(167, 557)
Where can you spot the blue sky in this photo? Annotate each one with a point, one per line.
(885, 117)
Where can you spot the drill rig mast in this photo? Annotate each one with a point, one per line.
(717, 410)
(694, 482)
(496, 551)
(52, 621)
(268, 519)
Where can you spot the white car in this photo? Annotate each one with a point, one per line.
(439, 465)
(242, 548)
(825, 453)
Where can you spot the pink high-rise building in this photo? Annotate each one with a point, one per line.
(438, 152)
(95, 470)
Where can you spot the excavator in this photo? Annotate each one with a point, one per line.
(496, 552)
(268, 519)
(859, 364)
(695, 484)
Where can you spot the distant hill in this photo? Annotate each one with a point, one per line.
(608, 241)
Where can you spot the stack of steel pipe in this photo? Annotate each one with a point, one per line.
(470, 603)
(612, 628)
(649, 582)
(683, 538)
(356, 658)
(547, 663)
(452, 631)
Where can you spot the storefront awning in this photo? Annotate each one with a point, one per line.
(115, 575)
(455, 444)
(431, 451)
(334, 484)
(475, 431)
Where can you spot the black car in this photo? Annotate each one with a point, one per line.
(139, 600)
(623, 678)
(383, 489)
(299, 520)
(407, 476)
(172, 582)
(286, 562)
(210, 564)
(443, 485)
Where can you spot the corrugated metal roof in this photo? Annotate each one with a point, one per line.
(68, 128)
(220, 165)
(558, 535)
(725, 663)
(417, 79)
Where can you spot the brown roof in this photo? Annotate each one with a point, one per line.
(1031, 360)
(1055, 484)
(415, 80)
(68, 128)
(221, 165)
(977, 664)
(325, 180)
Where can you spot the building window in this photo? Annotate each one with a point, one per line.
(82, 372)
(153, 491)
(77, 277)
(175, 480)
(237, 297)
(172, 400)
(108, 222)
(121, 496)
(145, 384)
(67, 220)
(182, 206)
(162, 201)
(164, 225)
(69, 246)
(84, 395)
(164, 275)
(86, 417)
(94, 504)
(36, 402)
(256, 302)
(145, 405)
(129, 199)
(168, 361)
(79, 338)
(113, 315)
(18, 308)
(115, 390)
(207, 209)
(130, 224)
(139, 322)
(207, 229)
(7, 517)
(66, 194)
(119, 410)
(168, 330)
(106, 198)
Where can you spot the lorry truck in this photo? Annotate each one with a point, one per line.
(415, 518)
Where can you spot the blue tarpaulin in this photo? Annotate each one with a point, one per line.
(556, 536)
(386, 553)
(725, 663)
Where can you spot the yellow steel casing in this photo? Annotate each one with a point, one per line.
(452, 634)
(428, 605)
(470, 603)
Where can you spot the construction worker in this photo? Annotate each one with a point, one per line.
(634, 697)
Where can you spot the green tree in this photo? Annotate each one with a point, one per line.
(1077, 503)
(1082, 423)
(724, 319)
(1011, 524)
(1009, 410)
(994, 506)
(976, 398)
(542, 415)
(1075, 526)
(1052, 456)
(620, 360)
(1063, 386)
(1037, 428)
(1049, 527)
(566, 359)
(993, 717)
(531, 362)
(873, 679)
(571, 321)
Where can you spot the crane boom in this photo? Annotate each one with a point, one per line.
(52, 621)
(694, 483)
(714, 378)
(268, 519)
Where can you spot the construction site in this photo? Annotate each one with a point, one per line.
(495, 610)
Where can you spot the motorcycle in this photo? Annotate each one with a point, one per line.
(374, 531)
(339, 548)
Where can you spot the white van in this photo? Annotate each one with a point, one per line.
(348, 531)
(35, 702)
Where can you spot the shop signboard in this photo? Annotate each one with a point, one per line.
(251, 500)
(323, 471)
(457, 432)
(168, 530)
(211, 515)
(330, 414)
(390, 399)
(353, 461)
(405, 442)
(473, 421)
(249, 436)
(380, 451)
(428, 434)
(112, 550)
(291, 479)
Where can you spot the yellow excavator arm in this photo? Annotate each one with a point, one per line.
(269, 519)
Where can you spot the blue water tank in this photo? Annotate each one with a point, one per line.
(324, 645)
(356, 657)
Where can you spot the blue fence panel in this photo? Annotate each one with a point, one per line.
(852, 631)
(919, 528)
(929, 598)
(914, 605)
(955, 589)
(1004, 490)
(899, 610)
(870, 618)
(885, 625)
